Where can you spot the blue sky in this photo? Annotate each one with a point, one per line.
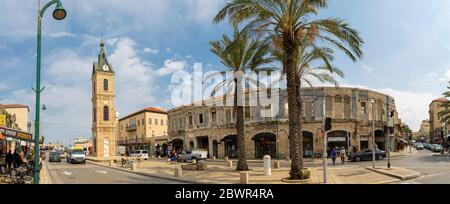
(406, 51)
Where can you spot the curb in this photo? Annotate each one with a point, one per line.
(403, 178)
(156, 175)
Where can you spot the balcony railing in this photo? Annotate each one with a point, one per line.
(130, 128)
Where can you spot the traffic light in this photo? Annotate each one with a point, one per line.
(328, 125)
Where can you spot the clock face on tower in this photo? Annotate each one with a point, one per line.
(105, 67)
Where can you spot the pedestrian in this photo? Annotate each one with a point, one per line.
(343, 155)
(16, 160)
(9, 160)
(333, 156)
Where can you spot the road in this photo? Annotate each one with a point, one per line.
(65, 173)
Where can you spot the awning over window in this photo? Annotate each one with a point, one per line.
(15, 134)
(265, 136)
(229, 138)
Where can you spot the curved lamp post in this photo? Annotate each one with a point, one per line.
(58, 14)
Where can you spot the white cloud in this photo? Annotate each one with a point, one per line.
(367, 69)
(171, 66)
(61, 34)
(151, 50)
(411, 106)
(445, 76)
(168, 49)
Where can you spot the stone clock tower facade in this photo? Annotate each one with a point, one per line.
(104, 122)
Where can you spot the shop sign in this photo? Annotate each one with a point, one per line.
(337, 139)
(15, 134)
(2, 119)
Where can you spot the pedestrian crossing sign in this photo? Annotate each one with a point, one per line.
(2, 119)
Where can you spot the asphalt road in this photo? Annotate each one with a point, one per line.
(65, 173)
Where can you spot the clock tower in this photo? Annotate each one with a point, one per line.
(103, 107)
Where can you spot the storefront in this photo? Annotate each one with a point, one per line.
(13, 140)
(308, 144)
(380, 140)
(338, 139)
(364, 142)
(265, 144)
(230, 143)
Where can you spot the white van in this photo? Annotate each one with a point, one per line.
(142, 154)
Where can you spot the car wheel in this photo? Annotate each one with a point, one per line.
(357, 159)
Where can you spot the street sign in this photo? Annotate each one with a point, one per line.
(3, 119)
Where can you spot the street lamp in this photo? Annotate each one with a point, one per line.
(58, 14)
(278, 138)
(373, 132)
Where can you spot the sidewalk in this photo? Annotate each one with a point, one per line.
(404, 153)
(219, 174)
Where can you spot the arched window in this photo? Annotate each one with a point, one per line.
(105, 84)
(106, 113)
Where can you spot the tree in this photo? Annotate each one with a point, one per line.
(445, 114)
(240, 55)
(288, 23)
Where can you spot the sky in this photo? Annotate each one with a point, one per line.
(406, 49)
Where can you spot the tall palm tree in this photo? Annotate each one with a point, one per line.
(240, 55)
(288, 22)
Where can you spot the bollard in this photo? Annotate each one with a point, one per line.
(134, 166)
(110, 163)
(202, 166)
(153, 156)
(226, 158)
(267, 168)
(194, 161)
(230, 163)
(3, 170)
(276, 164)
(178, 172)
(214, 157)
(244, 177)
(159, 157)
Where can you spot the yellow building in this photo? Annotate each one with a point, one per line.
(425, 129)
(20, 114)
(146, 129)
(103, 107)
(436, 126)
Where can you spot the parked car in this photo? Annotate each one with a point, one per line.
(436, 148)
(419, 146)
(366, 155)
(54, 157)
(142, 154)
(191, 155)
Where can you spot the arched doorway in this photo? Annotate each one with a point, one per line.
(216, 148)
(380, 140)
(308, 144)
(265, 144)
(106, 147)
(191, 145)
(230, 143)
(337, 139)
(177, 144)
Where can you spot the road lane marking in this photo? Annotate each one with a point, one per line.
(67, 173)
(102, 172)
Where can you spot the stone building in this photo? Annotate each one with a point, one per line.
(436, 126)
(17, 113)
(104, 114)
(143, 130)
(424, 131)
(212, 127)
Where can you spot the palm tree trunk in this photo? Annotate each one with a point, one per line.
(242, 157)
(300, 127)
(294, 122)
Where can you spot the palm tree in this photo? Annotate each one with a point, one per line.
(240, 55)
(445, 114)
(287, 22)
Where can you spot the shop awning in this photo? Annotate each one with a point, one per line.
(177, 140)
(16, 134)
(265, 136)
(2, 137)
(229, 138)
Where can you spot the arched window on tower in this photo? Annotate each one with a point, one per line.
(105, 84)
(106, 113)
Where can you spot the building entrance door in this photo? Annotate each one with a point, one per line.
(265, 144)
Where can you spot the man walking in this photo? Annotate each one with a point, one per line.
(333, 156)
(343, 155)
(9, 160)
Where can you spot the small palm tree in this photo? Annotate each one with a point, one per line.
(289, 25)
(240, 55)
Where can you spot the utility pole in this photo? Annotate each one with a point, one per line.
(373, 133)
(390, 126)
(325, 156)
